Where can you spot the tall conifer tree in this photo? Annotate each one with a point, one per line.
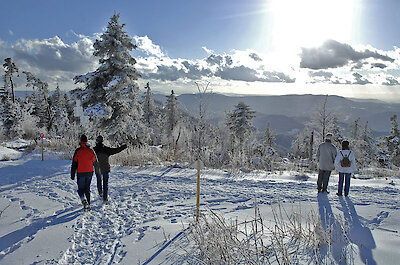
(110, 96)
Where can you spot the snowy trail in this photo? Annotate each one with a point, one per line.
(149, 205)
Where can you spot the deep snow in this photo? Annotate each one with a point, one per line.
(42, 222)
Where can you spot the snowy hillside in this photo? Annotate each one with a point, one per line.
(41, 220)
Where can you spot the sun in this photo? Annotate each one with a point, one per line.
(306, 23)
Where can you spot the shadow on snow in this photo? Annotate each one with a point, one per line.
(11, 240)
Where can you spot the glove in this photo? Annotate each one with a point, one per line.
(72, 177)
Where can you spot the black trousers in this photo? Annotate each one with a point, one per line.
(102, 185)
(323, 179)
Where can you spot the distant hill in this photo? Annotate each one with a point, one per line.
(23, 94)
(288, 112)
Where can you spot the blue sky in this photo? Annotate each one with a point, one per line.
(343, 47)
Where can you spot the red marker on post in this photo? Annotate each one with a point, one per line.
(41, 137)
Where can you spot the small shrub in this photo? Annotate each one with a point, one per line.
(290, 239)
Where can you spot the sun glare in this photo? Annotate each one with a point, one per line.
(308, 23)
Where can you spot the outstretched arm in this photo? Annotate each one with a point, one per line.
(113, 151)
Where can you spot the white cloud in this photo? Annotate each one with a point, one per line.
(51, 59)
(208, 51)
(10, 32)
(146, 45)
(54, 55)
(245, 66)
(55, 61)
(391, 81)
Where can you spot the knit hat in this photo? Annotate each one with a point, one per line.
(83, 138)
(329, 137)
(99, 139)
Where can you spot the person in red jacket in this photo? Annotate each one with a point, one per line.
(83, 162)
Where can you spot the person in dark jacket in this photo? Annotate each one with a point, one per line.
(83, 162)
(326, 155)
(103, 153)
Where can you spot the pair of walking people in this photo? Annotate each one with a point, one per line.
(86, 161)
(328, 159)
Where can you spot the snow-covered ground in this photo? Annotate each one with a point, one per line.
(42, 222)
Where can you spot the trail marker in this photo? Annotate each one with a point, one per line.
(198, 191)
(41, 137)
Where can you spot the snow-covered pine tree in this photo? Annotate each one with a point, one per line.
(269, 146)
(110, 95)
(11, 118)
(171, 120)
(393, 142)
(59, 110)
(10, 109)
(171, 113)
(239, 122)
(152, 115)
(241, 130)
(9, 85)
(148, 105)
(41, 99)
(29, 120)
(336, 130)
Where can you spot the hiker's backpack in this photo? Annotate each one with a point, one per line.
(345, 162)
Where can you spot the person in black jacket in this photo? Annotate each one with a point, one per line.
(103, 153)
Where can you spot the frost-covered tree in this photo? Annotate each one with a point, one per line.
(322, 122)
(368, 146)
(355, 129)
(11, 118)
(30, 121)
(110, 95)
(171, 112)
(42, 104)
(199, 130)
(59, 110)
(149, 107)
(269, 140)
(241, 130)
(10, 110)
(362, 143)
(393, 141)
(172, 126)
(301, 145)
(239, 122)
(57, 99)
(9, 85)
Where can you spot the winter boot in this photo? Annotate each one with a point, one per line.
(86, 206)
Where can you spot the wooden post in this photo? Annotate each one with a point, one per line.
(41, 137)
(42, 151)
(198, 191)
(311, 146)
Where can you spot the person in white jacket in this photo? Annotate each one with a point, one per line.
(345, 163)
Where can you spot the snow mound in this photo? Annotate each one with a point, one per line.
(17, 143)
(9, 154)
